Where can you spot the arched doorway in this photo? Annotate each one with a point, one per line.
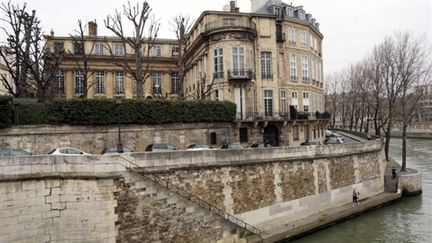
(271, 135)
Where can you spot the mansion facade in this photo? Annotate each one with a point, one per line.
(265, 61)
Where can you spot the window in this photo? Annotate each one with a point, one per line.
(305, 68)
(268, 103)
(294, 94)
(229, 22)
(175, 51)
(100, 82)
(283, 103)
(291, 36)
(293, 67)
(301, 15)
(175, 83)
(119, 49)
(296, 135)
(218, 63)
(79, 82)
(238, 61)
(58, 47)
(307, 133)
(119, 82)
(213, 140)
(99, 49)
(157, 83)
(78, 48)
(156, 51)
(305, 95)
(58, 86)
(306, 108)
(303, 38)
(243, 135)
(266, 68)
(219, 95)
(311, 41)
(290, 12)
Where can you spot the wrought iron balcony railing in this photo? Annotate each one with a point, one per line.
(240, 74)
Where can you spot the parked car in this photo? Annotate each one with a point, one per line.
(68, 151)
(233, 146)
(13, 152)
(333, 140)
(309, 143)
(198, 147)
(334, 134)
(114, 150)
(260, 145)
(160, 147)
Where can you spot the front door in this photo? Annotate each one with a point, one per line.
(271, 135)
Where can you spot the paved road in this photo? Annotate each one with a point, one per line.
(349, 138)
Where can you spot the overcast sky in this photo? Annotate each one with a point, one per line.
(350, 28)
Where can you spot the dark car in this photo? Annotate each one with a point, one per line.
(260, 145)
(114, 150)
(309, 143)
(13, 152)
(160, 147)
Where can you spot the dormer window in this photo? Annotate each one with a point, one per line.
(277, 11)
(290, 12)
(301, 15)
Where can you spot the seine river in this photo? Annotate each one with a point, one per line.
(408, 220)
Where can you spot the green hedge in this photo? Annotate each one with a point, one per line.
(106, 111)
(6, 111)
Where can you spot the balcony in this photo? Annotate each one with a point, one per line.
(230, 24)
(240, 74)
(280, 37)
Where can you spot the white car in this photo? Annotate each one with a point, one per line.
(68, 151)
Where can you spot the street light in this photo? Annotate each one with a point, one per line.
(119, 142)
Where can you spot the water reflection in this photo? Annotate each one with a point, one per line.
(408, 220)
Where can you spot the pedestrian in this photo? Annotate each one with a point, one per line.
(225, 143)
(355, 196)
(394, 173)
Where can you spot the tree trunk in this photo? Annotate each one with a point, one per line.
(387, 141)
(404, 152)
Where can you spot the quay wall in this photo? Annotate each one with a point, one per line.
(105, 199)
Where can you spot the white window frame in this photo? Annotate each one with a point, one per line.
(99, 48)
(283, 103)
(305, 68)
(218, 63)
(266, 65)
(79, 82)
(268, 103)
(238, 61)
(99, 82)
(156, 51)
(293, 67)
(157, 83)
(59, 83)
(119, 49)
(119, 78)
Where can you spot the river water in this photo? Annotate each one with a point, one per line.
(408, 220)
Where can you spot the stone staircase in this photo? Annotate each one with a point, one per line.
(166, 216)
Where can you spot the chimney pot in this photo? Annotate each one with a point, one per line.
(92, 28)
(232, 6)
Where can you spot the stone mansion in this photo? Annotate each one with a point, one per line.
(264, 61)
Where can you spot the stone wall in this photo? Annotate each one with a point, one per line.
(97, 199)
(410, 182)
(93, 139)
(56, 210)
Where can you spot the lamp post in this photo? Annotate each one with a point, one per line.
(119, 142)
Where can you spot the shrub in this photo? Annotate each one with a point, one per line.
(142, 111)
(6, 111)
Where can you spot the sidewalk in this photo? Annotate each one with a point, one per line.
(327, 218)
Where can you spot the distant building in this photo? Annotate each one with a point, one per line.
(424, 113)
(264, 61)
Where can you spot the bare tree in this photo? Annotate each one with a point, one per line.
(145, 32)
(82, 57)
(181, 26)
(12, 54)
(413, 58)
(204, 88)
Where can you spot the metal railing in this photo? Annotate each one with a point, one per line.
(242, 73)
(190, 197)
(229, 23)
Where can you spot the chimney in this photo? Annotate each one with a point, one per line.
(92, 28)
(232, 6)
(52, 33)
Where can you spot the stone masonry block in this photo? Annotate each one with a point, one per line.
(51, 214)
(52, 183)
